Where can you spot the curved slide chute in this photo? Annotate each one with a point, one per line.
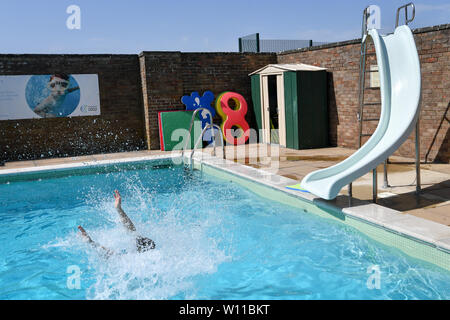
(400, 86)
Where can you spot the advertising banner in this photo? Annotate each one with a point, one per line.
(49, 96)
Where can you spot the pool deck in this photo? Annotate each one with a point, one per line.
(433, 203)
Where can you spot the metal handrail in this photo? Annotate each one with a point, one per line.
(190, 126)
(211, 126)
(364, 24)
(362, 61)
(406, 13)
(362, 67)
(208, 126)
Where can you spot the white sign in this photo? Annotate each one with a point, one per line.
(49, 96)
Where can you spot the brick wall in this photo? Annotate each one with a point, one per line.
(167, 76)
(133, 88)
(342, 61)
(120, 127)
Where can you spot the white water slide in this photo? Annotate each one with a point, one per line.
(400, 86)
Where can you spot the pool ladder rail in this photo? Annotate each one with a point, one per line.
(362, 104)
(210, 126)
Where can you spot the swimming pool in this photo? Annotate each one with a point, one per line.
(215, 240)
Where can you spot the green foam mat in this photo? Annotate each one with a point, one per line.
(169, 122)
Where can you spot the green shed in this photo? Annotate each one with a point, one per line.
(293, 99)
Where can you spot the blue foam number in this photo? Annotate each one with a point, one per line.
(194, 101)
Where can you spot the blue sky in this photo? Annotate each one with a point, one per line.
(132, 26)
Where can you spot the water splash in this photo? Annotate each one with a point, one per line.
(187, 246)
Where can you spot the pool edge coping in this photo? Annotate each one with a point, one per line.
(406, 225)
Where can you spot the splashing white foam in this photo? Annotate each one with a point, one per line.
(188, 245)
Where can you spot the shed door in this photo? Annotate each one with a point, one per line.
(273, 112)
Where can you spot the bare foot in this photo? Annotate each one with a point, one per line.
(118, 199)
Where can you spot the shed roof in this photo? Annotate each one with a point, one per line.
(272, 68)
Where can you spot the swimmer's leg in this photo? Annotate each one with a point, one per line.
(142, 243)
(126, 221)
(86, 237)
(89, 240)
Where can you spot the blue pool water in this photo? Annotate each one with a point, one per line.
(215, 240)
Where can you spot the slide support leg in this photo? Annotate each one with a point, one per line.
(350, 195)
(385, 184)
(374, 185)
(418, 182)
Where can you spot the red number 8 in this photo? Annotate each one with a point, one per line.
(233, 118)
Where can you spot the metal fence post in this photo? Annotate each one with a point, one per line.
(257, 43)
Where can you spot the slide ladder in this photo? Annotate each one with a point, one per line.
(400, 90)
(363, 104)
